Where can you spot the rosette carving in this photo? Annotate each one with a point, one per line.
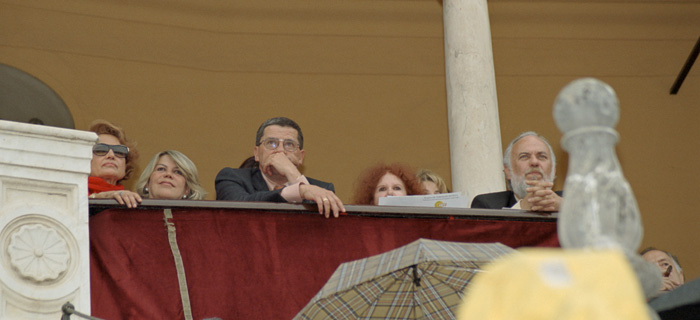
(38, 252)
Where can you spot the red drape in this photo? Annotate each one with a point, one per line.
(252, 264)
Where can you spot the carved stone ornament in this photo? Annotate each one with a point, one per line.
(38, 252)
(599, 209)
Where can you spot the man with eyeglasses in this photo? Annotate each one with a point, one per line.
(279, 151)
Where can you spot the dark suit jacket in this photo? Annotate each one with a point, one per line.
(497, 200)
(248, 184)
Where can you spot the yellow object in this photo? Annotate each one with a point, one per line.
(543, 284)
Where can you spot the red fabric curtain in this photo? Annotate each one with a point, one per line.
(252, 264)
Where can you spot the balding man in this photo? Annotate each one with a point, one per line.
(671, 272)
(530, 166)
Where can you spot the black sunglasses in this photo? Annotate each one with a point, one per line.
(102, 149)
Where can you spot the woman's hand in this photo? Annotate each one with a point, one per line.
(129, 198)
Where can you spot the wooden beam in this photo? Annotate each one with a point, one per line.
(686, 67)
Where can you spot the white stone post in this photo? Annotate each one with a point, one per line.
(475, 134)
(599, 210)
(44, 239)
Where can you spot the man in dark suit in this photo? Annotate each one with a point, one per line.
(530, 166)
(279, 151)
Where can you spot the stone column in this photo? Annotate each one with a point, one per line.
(475, 135)
(44, 239)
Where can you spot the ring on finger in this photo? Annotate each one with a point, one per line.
(325, 199)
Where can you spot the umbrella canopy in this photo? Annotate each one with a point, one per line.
(421, 280)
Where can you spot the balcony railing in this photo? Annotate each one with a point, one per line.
(251, 260)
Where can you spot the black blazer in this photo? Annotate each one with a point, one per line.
(248, 184)
(497, 200)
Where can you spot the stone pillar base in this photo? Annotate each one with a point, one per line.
(44, 238)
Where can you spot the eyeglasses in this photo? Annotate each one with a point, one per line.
(273, 143)
(102, 149)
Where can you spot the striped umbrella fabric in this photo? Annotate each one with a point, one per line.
(421, 280)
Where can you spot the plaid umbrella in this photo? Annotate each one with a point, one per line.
(421, 280)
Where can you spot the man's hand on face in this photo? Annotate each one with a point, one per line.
(326, 200)
(277, 164)
(668, 284)
(540, 197)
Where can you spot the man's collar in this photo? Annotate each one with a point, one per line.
(517, 198)
(271, 185)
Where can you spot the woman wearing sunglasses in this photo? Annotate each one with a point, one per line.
(113, 159)
(170, 175)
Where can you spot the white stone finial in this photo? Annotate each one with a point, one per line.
(586, 102)
(599, 209)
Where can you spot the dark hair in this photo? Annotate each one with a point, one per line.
(367, 183)
(106, 127)
(675, 259)
(248, 163)
(282, 122)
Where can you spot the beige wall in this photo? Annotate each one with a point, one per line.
(365, 80)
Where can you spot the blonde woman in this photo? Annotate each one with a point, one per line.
(431, 182)
(170, 175)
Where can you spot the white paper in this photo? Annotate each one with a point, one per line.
(442, 200)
